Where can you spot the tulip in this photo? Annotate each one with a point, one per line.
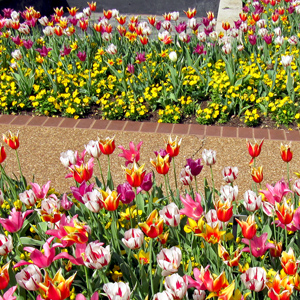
(280, 288)
(131, 155)
(147, 182)
(199, 295)
(43, 51)
(224, 210)
(17, 55)
(170, 214)
(153, 226)
(252, 202)
(78, 193)
(135, 175)
(6, 244)
(209, 157)
(173, 56)
(276, 193)
(289, 263)
(93, 201)
(2, 154)
(50, 210)
(229, 174)
(213, 283)
(140, 57)
(29, 278)
(254, 279)
(229, 192)
(70, 232)
(107, 146)
(254, 150)
(162, 165)
(276, 252)
(28, 198)
(8, 295)
(186, 176)
(96, 256)
(257, 174)
(4, 276)
(133, 238)
(286, 61)
(226, 257)
(68, 158)
(163, 238)
(65, 203)
(248, 228)
(165, 295)
(15, 221)
(258, 245)
(110, 199)
(117, 290)
(107, 14)
(93, 149)
(130, 69)
(81, 55)
(126, 193)
(192, 209)
(92, 6)
(12, 140)
(190, 13)
(57, 288)
(82, 172)
(39, 192)
(112, 49)
(169, 260)
(285, 212)
(176, 286)
(211, 234)
(286, 153)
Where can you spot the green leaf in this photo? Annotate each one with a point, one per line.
(31, 242)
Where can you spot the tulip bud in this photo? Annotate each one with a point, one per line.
(12, 140)
(93, 149)
(285, 151)
(173, 56)
(252, 201)
(257, 174)
(29, 278)
(186, 176)
(199, 295)
(230, 174)
(254, 279)
(133, 238)
(6, 244)
(65, 203)
(170, 214)
(209, 157)
(229, 192)
(68, 158)
(276, 252)
(4, 276)
(17, 55)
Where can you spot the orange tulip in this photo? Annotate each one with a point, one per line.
(107, 14)
(224, 210)
(172, 147)
(225, 26)
(4, 276)
(57, 288)
(280, 289)
(211, 234)
(234, 262)
(286, 153)
(288, 262)
(135, 176)
(152, 20)
(12, 140)
(111, 199)
(226, 294)
(212, 282)
(121, 20)
(163, 238)
(107, 146)
(162, 165)
(257, 174)
(153, 227)
(248, 227)
(285, 212)
(92, 6)
(72, 11)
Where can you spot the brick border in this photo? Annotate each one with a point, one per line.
(148, 127)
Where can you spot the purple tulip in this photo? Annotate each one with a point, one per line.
(199, 49)
(130, 68)
(158, 25)
(268, 38)
(237, 24)
(43, 51)
(291, 9)
(66, 51)
(147, 182)
(181, 27)
(208, 30)
(73, 21)
(16, 40)
(28, 44)
(81, 55)
(126, 192)
(205, 22)
(7, 12)
(195, 166)
(140, 57)
(252, 39)
(78, 193)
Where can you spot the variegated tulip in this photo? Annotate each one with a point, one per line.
(133, 238)
(4, 276)
(173, 147)
(117, 290)
(6, 244)
(28, 198)
(93, 200)
(96, 256)
(153, 226)
(254, 279)
(284, 212)
(169, 260)
(135, 175)
(249, 227)
(93, 149)
(176, 286)
(165, 295)
(12, 140)
(171, 215)
(252, 202)
(286, 153)
(162, 165)
(107, 146)
(111, 199)
(230, 174)
(289, 263)
(280, 288)
(209, 157)
(229, 192)
(29, 278)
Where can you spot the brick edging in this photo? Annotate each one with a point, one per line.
(148, 127)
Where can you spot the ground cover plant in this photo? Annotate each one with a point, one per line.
(74, 65)
(140, 240)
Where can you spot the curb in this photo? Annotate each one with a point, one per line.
(149, 127)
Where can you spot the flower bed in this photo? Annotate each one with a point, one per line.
(74, 65)
(141, 240)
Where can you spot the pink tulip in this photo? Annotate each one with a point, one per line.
(65, 203)
(28, 197)
(78, 193)
(192, 209)
(15, 221)
(198, 283)
(258, 245)
(40, 259)
(276, 193)
(6, 244)
(8, 295)
(40, 193)
(79, 252)
(131, 154)
(95, 296)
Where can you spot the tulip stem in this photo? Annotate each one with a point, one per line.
(274, 226)
(173, 160)
(101, 173)
(213, 184)
(150, 268)
(196, 185)
(286, 239)
(166, 184)
(87, 279)
(21, 174)
(288, 173)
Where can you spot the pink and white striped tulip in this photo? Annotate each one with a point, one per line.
(165, 295)
(96, 256)
(254, 279)
(6, 244)
(252, 201)
(177, 286)
(133, 238)
(230, 174)
(169, 260)
(28, 198)
(29, 278)
(171, 215)
(117, 290)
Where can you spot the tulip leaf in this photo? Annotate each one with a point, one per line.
(140, 202)
(31, 242)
